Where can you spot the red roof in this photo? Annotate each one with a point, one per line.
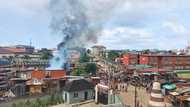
(51, 74)
(9, 50)
(38, 74)
(4, 51)
(57, 74)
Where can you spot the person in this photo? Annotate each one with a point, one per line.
(138, 105)
(126, 87)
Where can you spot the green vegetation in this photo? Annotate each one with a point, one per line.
(146, 51)
(84, 58)
(52, 100)
(27, 57)
(85, 69)
(46, 54)
(112, 55)
(78, 71)
(183, 74)
(91, 68)
(84, 66)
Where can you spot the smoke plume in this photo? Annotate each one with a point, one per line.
(78, 22)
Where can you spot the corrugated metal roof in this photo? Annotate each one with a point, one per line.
(4, 62)
(78, 85)
(142, 66)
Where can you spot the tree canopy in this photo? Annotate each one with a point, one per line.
(112, 55)
(85, 69)
(84, 58)
(46, 54)
(91, 68)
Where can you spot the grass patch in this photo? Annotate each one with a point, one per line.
(47, 102)
(183, 74)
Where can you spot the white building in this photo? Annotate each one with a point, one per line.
(99, 51)
(78, 91)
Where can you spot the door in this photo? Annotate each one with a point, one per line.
(65, 97)
(85, 95)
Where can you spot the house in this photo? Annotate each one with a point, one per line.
(46, 81)
(18, 86)
(77, 91)
(12, 51)
(75, 53)
(36, 83)
(54, 81)
(166, 61)
(130, 59)
(99, 51)
(5, 72)
(175, 62)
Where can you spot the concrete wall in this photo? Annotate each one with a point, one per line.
(81, 96)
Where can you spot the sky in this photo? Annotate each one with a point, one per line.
(134, 24)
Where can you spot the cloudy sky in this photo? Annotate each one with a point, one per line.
(134, 24)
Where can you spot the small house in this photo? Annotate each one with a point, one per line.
(76, 91)
(49, 81)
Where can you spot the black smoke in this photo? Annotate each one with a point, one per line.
(78, 22)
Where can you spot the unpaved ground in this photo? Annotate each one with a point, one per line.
(128, 97)
(92, 104)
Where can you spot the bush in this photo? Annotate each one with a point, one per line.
(13, 105)
(52, 100)
(38, 102)
(27, 102)
(21, 104)
(45, 102)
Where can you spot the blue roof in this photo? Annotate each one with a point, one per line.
(4, 62)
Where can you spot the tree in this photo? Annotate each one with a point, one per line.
(10, 58)
(46, 54)
(146, 51)
(112, 55)
(91, 68)
(27, 57)
(84, 58)
(88, 51)
(85, 69)
(78, 70)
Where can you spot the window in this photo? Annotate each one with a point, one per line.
(75, 94)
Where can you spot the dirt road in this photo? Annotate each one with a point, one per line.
(128, 97)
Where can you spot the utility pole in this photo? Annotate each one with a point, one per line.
(30, 43)
(136, 82)
(135, 95)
